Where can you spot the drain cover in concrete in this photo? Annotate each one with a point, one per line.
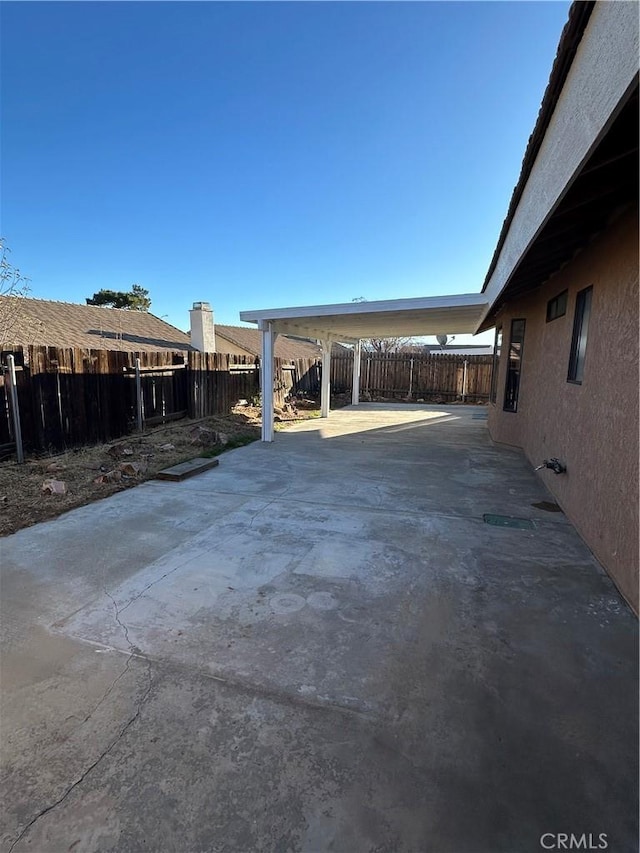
(508, 521)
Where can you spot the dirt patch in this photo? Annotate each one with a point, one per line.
(92, 473)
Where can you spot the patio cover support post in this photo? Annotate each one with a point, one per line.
(269, 336)
(355, 385)
(325, 388)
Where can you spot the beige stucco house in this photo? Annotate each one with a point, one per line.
(566, 311)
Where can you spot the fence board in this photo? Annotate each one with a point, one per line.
(70, 397)
(417, 376)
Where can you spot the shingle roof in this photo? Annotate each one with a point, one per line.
(250, 340)
(66, 324)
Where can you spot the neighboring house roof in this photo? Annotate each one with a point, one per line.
(66, 324)
(251, 341)
(340, 349)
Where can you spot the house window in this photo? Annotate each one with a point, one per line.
(497, 347)
(579, 339)
(512, 386)
(557, 307)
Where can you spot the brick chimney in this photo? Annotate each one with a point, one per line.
(203, 336)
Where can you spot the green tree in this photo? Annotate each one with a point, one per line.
(136, 299)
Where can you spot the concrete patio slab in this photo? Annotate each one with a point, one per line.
(319, 646)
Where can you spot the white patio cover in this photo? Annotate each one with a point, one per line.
(351, 322)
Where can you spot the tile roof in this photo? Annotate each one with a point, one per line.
(66, 324)
(250, 339)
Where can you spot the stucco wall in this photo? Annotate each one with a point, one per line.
(593, 427)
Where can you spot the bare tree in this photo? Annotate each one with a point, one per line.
(13, 288)
(384, 345)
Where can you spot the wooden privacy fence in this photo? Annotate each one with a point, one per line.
(216, 381)
(71, 397)
(416, 376)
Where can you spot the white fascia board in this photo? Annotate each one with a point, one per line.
(350, 322)
(358, 308)
(601, 75)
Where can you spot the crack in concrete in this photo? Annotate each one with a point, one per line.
(120, 610)
(108, 691)
(125, 630)
(263, 508)
(134, 651)
(92, 766)
(142, 591)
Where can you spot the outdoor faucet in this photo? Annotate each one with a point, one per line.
(554, 464)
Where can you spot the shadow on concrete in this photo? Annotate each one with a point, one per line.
(319, 646)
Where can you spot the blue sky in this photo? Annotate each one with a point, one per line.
(265, 154)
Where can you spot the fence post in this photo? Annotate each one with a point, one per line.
(59, 393)
(410, 379)
(15, 411)
(139, 395)
(355, 380)
(464, 381)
